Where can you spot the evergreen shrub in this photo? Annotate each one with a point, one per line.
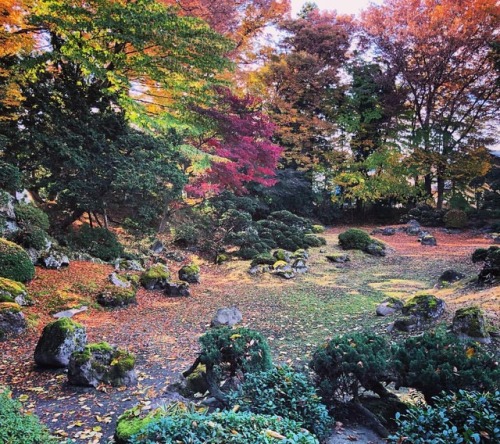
(15, 263)
(462, 417)
(98, 242)
(284, 392)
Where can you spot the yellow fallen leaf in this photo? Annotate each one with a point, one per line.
(274, 434)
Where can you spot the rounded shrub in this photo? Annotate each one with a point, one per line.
(226, 427)
(349, 362)
(439, 361)
(462, 417)
(284, 392)
(354, 239)
(18, 428)
(15, 263)
(27, 215)
(32, 237)
(455, 219)
(98, 242)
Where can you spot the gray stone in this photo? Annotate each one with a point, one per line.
(407, 324)
(155, 277)
(177, 289)
(70, 313)
(58, 341)
(128, 265)
(338, 258)
(7, 207)
(286, 272)
(13, 291)
(388, 231)
(299, 266)
(119, 281)
(428, 240)
(424, 306)
(54, 260)
(101, 363)
(227, 316)
(23, 197)
(157, 246)
(12, 320)
(282, 255)
(389, 306)
(376, 249)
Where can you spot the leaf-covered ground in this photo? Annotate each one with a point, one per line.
(295, 316)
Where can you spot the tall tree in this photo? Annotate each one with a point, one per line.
(440, 50)
(302, 88)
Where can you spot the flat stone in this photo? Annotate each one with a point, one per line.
(227, 316)
(70, 313)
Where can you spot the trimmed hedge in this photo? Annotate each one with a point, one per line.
(97, 242)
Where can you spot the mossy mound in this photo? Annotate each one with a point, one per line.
(318, 229)
(102, 362)
(112, 296)
(356, 239)
(263, 259)
(15, 263)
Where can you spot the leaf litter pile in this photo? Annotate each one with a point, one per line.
(295, 315)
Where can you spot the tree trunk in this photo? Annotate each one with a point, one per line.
(440, 192)
(91, 222)
(428, 185)
(371, 420)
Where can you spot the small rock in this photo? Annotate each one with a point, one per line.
(451, 276)
(70, 313)
(12, 320)
(155, 277)
(424, 306)
(407, 324)
(128, 265)
(177, 289)
(299, 266)
(282, 255)
(376, 249)
(112, 296)
(389, 306)
(388, 231)
(157, 246)
(54, 260)
(338, 258)
(119, 281)
(428, 240)
(190, 273)
(227, 316)
(13, 291)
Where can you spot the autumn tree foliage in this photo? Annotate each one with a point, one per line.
(302, 88)
(441, 52)
(240, 143)
(239, 20)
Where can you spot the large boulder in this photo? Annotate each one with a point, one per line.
(190, 273)
(12, 320)
(155, 277)
(299, 266)
(469, 323)
(128, 265)
(53, 260)
(227, 316)
(12, 291)
(58, 341)
(102, 363)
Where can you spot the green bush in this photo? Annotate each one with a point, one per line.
(222, 428)
(284, 392)
(438, 361)
(10, 177)
(455, 219)
(462, 417)
(32, 237)
(480, 254)
(17, 428)
(15, 263)
(354, 239)
(97, 242)
(490, 274)
(349, 362)
(27, 215)
(263, 259)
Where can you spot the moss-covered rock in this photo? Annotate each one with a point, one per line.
(15, 264)
(424, 306)
(155, 277)
(196, 382)
(469, 322)
(132, 421)
(13, 291)
(318, 229)
(12, 320)
(356, 239)
(282, 255)
(338, 258)
(177, 289)
(112, 296)
(190, 273)
(263, 259)
(311, 240)
(101, 362)
(58, 341)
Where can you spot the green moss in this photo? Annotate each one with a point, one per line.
(130, 423)
(281, 255)
(122, 362)
(196, 381)
(10, 307)
(318, 229)
(29, 215)
(420, 304)
(279, 264)
(155, 272)
(473, 315)
(221, 258)
(191, 269)
(13, 287)
(64, 325)
(263, 259)
(99, 347)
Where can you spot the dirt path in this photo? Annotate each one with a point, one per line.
(294, 315)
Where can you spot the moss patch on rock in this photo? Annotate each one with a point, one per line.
(15, 263)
